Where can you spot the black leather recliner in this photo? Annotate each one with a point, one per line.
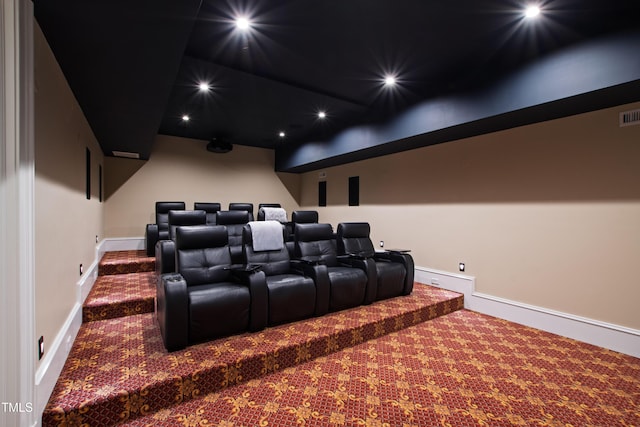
(394, 270)
(165, 249)
(210, 208)
(206, 298)
(234, 221)
(160, 230)
(304, 217)
(292, 295)
(236, 206)
(263, 213)
(269, 205)
(348, 277)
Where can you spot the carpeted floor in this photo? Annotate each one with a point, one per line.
(462, 369)
(419, 360)
(120, 363)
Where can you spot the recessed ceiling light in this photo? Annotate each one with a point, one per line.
(281, 134)
(243, 23)
(389, 80)
(532, 11)
(185, 118)
(322, 114)
(204, 87)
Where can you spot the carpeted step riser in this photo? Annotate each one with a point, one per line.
(118, 309)
(125, 262)
(128, 405)
(140, 267)
(120, 295)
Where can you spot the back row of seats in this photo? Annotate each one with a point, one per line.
(161, 229)
(234, 221)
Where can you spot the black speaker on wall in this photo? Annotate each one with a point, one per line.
(88, 156)
(354, 191)
(322, 193)
(100, 183)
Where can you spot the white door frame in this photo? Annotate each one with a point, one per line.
(18, 348)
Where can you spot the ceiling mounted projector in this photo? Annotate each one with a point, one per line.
(217, 145)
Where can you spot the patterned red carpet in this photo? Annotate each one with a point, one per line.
(411, 361)
(118, 368)
(123, 262)
(118, 295)
(463, 369)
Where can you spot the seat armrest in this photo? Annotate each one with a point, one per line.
(403, 258)
(368, 265)
(165, 257)
(352, 256)
(172, 310)
(151, 236)
(244, 269)
(256, 281)
(320, 276)
(310, 260)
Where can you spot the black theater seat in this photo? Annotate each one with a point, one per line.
(210, 208)
(236, 206)
(292, 295)
(160, 230)
(394, 270)
(165, 249)
(348, 278)
(269, 205)
(206, 298)
(303, 217)
(234, 221)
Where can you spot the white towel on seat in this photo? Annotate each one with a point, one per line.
(267, 235)
(275, 214)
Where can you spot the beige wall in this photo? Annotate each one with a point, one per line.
(66, 222)
(181, 169)
(546, 214)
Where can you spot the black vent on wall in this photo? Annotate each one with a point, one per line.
(630, 118)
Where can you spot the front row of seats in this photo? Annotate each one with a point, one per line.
(209, 296)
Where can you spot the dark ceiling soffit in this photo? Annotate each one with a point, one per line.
(595, 75)
(123, 112)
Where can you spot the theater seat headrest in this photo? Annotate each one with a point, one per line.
(314, 232)
(232, 217)
(201, 237)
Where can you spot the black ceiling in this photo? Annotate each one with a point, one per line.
(135, 65)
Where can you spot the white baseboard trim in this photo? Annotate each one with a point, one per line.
(56, 356)
(53, 362)
(446, 280)
(614, 337)
(121, 244)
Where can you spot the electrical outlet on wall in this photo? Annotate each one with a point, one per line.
(40, 347)
(382, 243)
